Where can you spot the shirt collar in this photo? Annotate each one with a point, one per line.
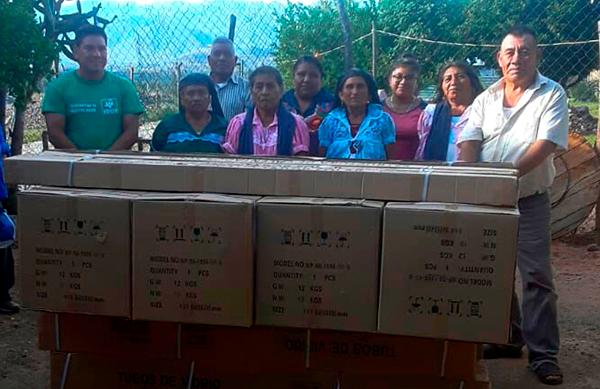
(540, 81)
(233, 78)
(256, 120)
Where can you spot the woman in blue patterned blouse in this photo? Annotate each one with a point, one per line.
(195, 128)
(357, 127)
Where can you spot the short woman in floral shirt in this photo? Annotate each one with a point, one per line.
(357, 127)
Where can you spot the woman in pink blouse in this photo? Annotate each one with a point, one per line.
(267, 128)
(404, 106)
(443, 120)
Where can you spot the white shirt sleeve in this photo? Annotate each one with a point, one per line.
(554, 122)
(473, 130)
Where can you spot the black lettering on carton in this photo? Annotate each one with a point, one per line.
(202, 383)
(376, 350)
(137, 378)
(168, 380)
(339, 348)
(317, 347)
(295, 345)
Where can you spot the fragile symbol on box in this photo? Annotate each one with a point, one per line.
(421, 305)
(475, 309)
(287, 237)
(70, 226)
(197, 234)
(307, 238)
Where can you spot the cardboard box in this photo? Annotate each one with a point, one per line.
(248, 175)
(448, 271)
(368, 353)
(107, 335)
(317, 263)
(75, 251)
(88, 371)
(193, 259)
(259, 348)
(353, 380)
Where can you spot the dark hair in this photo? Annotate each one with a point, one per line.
(407, 60)
(267, 70)
(520, 30)
(373, 96)
(202, 79)
(310, 60)
(89, 30)
(465, 67)
(221, 40)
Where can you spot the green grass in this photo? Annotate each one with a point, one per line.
(591, 139)
(31, 136)
(593, 107)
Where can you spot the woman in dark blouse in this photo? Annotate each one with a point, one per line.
(195, 128)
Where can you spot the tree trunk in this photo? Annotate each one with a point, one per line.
(347, 33)
(16, 146)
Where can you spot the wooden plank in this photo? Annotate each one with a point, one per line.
(574, 155)
(575, 189)
(563, 227)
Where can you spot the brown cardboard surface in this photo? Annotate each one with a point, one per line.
(317, 263)
(75, 251)
(41, 169)
(259, 348)
(448, 271)
(107, 335)
(353, 380)
(89, 371)
(193, 259)
(248, 175)
(369, 353)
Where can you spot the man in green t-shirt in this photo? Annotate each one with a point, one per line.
(91, 108)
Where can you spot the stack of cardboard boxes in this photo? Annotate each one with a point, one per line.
(332, 287)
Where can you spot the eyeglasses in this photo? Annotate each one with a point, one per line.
(406, 77)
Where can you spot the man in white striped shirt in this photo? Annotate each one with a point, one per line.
(233, 91)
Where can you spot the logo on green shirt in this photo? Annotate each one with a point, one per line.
(109, 106)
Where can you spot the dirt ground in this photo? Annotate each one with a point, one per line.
(577, 275)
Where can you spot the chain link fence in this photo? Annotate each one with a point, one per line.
(156, 43)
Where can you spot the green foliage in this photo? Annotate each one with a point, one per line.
(314, 29)
(435, 20)
(25, 55)
(585, 91)
(552, 20)
(308, 30)
(592, 106)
